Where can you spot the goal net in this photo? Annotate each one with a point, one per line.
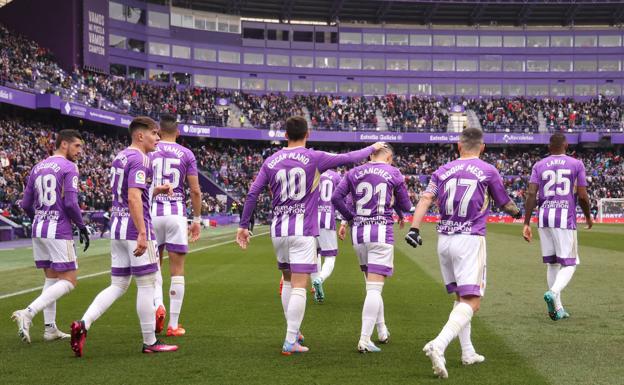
(611, 210)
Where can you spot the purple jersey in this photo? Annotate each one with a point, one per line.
(130, 169)
(376, 188)
(462, 188)
(49, 182)
(327, 212)
(171, 163)
(557, 177)
(293, 176)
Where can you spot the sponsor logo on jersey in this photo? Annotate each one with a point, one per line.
(75, 182)
(140, 177)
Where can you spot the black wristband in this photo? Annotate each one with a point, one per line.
(414, 229)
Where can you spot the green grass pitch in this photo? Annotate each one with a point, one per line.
(235, 327)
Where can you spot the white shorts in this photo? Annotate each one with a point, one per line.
(328, 243)
(375, 257)
(296, 253)
(55, 254)
(171, 233)
(124, 263)
(463, 263)
(559, 246)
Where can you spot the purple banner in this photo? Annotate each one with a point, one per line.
(617, 138)
(94, 21)
(18, 98)
(100, 116)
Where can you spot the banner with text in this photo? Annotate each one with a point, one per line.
(94, 42)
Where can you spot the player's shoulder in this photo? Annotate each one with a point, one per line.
(136, 158)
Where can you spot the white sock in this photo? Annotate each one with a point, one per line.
(458, 319)
(314, 276)
(49, 312)
(294, 314)
(48, 296)
(176, 296)
(563, 278)
(105, 299)
(370, 310)
(464, 337)
(286, 290)
(328, 267)
(158, 289)
(381, 319)
(551, 273)
(145, 307)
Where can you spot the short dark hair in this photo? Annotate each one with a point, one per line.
(558, 142)
(296, 128)
(387, 148)
(66, 136)
(471, 138)
(141, 123)
(168, 123)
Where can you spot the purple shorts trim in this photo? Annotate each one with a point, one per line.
(120, 271)
(180, 249)
(63, 266)
(563, 261)
(364, 268)
(451, 287)
(43, 264)
(380, 269)
(464, 290)
(283, 266)
(329, 253)
(144, 270)
(303, 268)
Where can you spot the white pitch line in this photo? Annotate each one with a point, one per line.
(108, 271)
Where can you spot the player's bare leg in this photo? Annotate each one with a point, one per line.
(294, 311)
(176, 293)
(370, 312)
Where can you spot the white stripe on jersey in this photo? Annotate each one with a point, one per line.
(564, 219)
(327, 220)
(299, 224)
(284, 228)
(123, 230)
(540, 217)
(51, 229)
(354, 230)
(39, 229)
(381, 234)
(273, 224)
(180, 208)
(366, 234)
(320, 215)
(551, 217)
(166, 208)
(113, 228)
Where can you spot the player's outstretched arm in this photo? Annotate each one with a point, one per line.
(195, 228)
(340, 202)
(242, 235)
(328, 160)
(529, 205)
(135, 205)
(584, 202)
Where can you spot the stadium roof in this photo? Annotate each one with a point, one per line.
(448, 12)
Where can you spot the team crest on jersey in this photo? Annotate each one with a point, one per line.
(75, 182)
(140, 177)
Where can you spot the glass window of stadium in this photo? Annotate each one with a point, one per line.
(158, 19)
(537, 65)
(302, 86)
(303, 36)
(302, 61)
(514, 41)
(609, 40)
(608, 65)
(584, 90)
(253, 58)
(443, 89)
(444, 65)
(513, 66)
(116, 41)
(420, 89)
(278, 60)
(467, 65)
(585, 65)
(350, 38)
(205, 54)
(187, 21)
(181, 52)
(325, 87)
(200, 23)
(373, 38)
(122, 12)
(278, 34)
(467, 41)
(253, 33)
(326, 37)
(466, 89)
(181, 78)
(444, 40)
(136, 45)
(513, 90)
(397, 65)
(491, 41)
(229, 57)
(156, 75)
(490, 89)
(610, 89)
(373, 64)
(582, 41)
(350, 87)
(278, 85)
(561, 65)
(325, 62)
(208, 81)
(561, 41)
(490, 64)
(253, 84)
(350, 63)
(538, 41)
(373, 89)
(396, 88)
(420, 65)
(561, 90)
(136, 73)
(536, 90)
(228, 82)
(160, 49)
(397, 39)
(116, 11)
(118, 70)
(418, 40)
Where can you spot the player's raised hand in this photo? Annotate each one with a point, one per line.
(163, 189)
(527, 233)
(342, 232)
(84, 238)
(379, 145)
(194, 231)
(141, 245)
(589, 223)
(413, 237)
(242, 238)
